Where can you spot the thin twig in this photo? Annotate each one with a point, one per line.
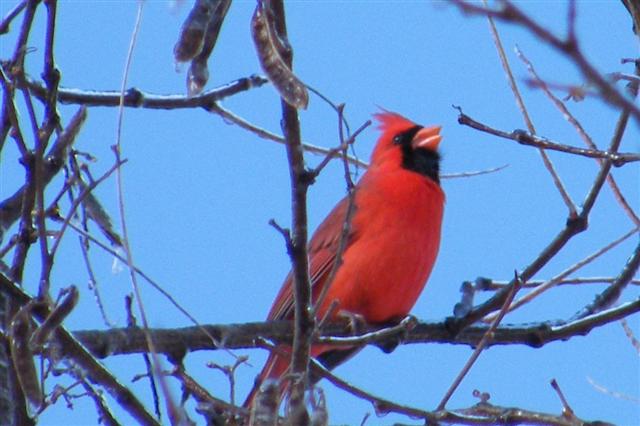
(93, 282)
(611, 294)
(174, 411)
(538, 290)
(583, 134)
(4, 25)
(567, 411)
(351, 206)
(10, 208)
(488, 336)
(265, 134)
(495, 285)
(508, 12)
(77, 201)
(151, 281)
(527, 119)
(629, 332)
(618, 395)
(474, 173)
(543, 143)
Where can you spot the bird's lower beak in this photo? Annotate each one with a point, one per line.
(427, 137)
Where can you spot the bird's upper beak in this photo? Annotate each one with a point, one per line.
(427, 137)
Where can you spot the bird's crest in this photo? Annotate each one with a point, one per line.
(392, 122)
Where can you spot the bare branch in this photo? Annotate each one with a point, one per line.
(527, 118)
(508, 12)
(69, 347)
(136, 98)
(612, 293)
(55, 159)
(486, 338)
(538, 290)
(524, 138)
(121, 341)
(583, 134)
(303, 319)
(482, 413)
(6, 22)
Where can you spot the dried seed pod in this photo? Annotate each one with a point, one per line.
(99, 215)
(191, 38)
(291, 89)
(54, 319)
(197, 77)
(198, 72)
(22, 356)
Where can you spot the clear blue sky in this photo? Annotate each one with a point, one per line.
(199, 192)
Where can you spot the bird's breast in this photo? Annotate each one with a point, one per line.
(384, 270)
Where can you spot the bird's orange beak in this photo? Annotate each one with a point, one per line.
(427, 137)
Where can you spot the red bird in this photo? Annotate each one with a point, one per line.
(392, 243)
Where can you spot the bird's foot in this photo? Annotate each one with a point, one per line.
(356, 322)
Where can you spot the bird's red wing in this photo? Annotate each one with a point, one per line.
(322, 250)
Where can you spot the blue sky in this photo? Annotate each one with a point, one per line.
(199, 191)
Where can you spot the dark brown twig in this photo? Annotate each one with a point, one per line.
(570, 270)
(56, 157)
(574, 226)
(524, 138)
(482, 413)
(508, 12)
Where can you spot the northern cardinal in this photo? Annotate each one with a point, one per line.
(391, 246)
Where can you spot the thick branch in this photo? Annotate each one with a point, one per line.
(70, 347)
(178, 341)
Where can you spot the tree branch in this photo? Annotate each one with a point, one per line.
(175, 342)
(524, 138)
(508, 12)
(303, 319)
(69, 347)
(136, 98)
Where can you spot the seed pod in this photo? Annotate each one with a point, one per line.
(99, 215)
(198, 74)
(291, 89)
(191, 38)
(22, 356)
(55, 318)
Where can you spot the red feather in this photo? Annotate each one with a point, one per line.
(391, 247)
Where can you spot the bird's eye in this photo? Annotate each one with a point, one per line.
(397, 139)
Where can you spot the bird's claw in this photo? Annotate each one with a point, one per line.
(355, 322)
